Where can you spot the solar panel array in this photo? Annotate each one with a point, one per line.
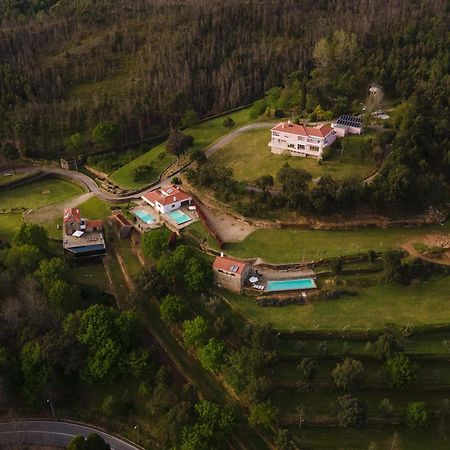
(350, 121)
(234, 269)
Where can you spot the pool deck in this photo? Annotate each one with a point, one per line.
(161, 219)
(179, 226)
(265, 275)
(139, 224)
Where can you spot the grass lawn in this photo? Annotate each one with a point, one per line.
(91, 272)
(199, 231)
(131, 260)
(288, 245)
(420, 304)
(16, 177)
(31, 196)
(351, 439)
(249, 156)
(156, 157)
(204, 133)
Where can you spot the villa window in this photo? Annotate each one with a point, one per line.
(314, 149)
(291, 146)
(301, 146)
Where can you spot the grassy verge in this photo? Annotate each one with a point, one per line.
(249, 156)
(204, 133)
(283, 246)
(421, 304)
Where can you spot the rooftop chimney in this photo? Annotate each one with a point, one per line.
(221, 254)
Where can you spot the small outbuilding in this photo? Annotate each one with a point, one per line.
(122, 225)
(231, 273)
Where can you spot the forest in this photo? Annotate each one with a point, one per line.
(69, 65)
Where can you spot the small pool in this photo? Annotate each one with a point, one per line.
(179, 216)
(144, 216)
(291, 285)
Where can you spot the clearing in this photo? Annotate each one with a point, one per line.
(249, 156)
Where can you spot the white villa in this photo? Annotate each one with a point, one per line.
(169, 198)
(300, 140)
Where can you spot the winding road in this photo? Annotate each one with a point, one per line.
(92, 186)
(54, 433)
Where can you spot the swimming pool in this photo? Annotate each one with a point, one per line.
(291, 285)
(179, 216)
(144, 216)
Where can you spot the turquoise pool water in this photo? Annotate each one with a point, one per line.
(291, 285)
(144, 216)
(179, 216)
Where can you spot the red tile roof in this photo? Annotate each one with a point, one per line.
(94, 223)
(72, 215)
(320, 131)
(121, 219)
(166, 195)
(227, 264)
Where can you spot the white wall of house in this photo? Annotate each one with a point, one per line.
(296, 145)
(163, 209)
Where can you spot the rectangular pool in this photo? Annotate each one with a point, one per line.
(291, 285)
(179, 216)
(144, 216)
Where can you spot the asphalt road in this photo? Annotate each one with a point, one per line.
(53, 433)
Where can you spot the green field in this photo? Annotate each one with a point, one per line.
(289, 245)
(249, 156)
(16, 177)
(424, 303)
(31, 196)
(350, 439)
(204, 133)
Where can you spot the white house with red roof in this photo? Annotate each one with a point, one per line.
(169, 198)
(301, 140)
(230, 272)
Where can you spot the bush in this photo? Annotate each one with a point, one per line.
(386, 408)
(172, 308)
(278, 114)
(142, 173)
(400, 370)
(348, 374)
(228, 122)
(351, 412)
(417, 415)
(258, 108)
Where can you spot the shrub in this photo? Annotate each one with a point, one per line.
(351, 412)
(142, 173)
(386, 408)
(401, 371)
(228, 122)
(348, 374)
(417, 415)
(172, 308)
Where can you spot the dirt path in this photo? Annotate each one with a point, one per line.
(408, 247)
(51, 213)
(228, 227)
